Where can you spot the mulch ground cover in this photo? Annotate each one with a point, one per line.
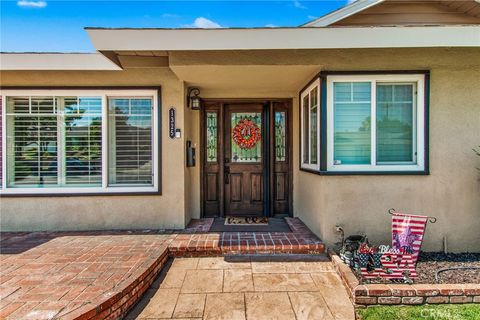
(430, 262)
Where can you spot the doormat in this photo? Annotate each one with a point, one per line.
(262, 221)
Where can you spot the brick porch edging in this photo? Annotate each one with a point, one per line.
(124, 296)
(396, 294)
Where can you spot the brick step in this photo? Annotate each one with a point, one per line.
(280, 257)
(200, 242)
(238, 249)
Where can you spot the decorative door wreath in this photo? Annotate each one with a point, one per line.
(246, 134)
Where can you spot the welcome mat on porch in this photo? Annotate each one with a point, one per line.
(273, 225)
(235, 221)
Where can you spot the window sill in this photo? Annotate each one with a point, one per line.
(55, 193)
(310, 167)
(368, 173)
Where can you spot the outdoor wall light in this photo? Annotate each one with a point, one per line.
(194, 101)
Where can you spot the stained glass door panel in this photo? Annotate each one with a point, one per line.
(280, 136)
(246, 138)
(212, 136)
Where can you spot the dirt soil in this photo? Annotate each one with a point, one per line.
(430, 262)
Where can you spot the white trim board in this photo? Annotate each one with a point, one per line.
(284, 38)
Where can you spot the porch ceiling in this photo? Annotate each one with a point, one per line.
(221, 81)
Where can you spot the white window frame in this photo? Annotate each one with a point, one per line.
(304, 93)
(104, 94)
(419, 117)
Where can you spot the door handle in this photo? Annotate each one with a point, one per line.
(226, 174)
(226, 170)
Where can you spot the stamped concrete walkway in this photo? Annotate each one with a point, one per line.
(214, 288)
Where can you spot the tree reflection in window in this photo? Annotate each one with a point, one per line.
(54, 141)
(83, 141)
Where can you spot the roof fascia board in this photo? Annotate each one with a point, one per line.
(284, 38)
(342, 13)
(56, 61)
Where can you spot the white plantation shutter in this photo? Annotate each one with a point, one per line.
(83, 141)
(53, 141)
(130, 141)
(32, 141)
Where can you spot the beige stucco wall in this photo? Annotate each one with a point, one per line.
(359, 203)
(192, 174)
(451, 192)
(108, 212)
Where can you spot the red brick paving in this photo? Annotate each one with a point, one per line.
(100, 275)
(44, 275)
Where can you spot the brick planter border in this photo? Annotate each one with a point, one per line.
(405, 294)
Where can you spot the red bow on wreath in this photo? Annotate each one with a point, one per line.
(246, 134)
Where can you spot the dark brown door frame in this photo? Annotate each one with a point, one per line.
(217, 105)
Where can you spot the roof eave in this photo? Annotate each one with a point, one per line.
(342, 13)
(56, 61)
(284, 38)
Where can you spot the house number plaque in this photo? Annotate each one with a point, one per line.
(171, 123)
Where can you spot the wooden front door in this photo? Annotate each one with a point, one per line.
(244, 159)
(246, 165)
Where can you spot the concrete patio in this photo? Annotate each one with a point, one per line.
(252, 288)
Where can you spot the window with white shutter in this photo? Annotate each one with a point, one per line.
(83, 141)
(130, 141)
(32, 140)
(77, 141)
(53, 141)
